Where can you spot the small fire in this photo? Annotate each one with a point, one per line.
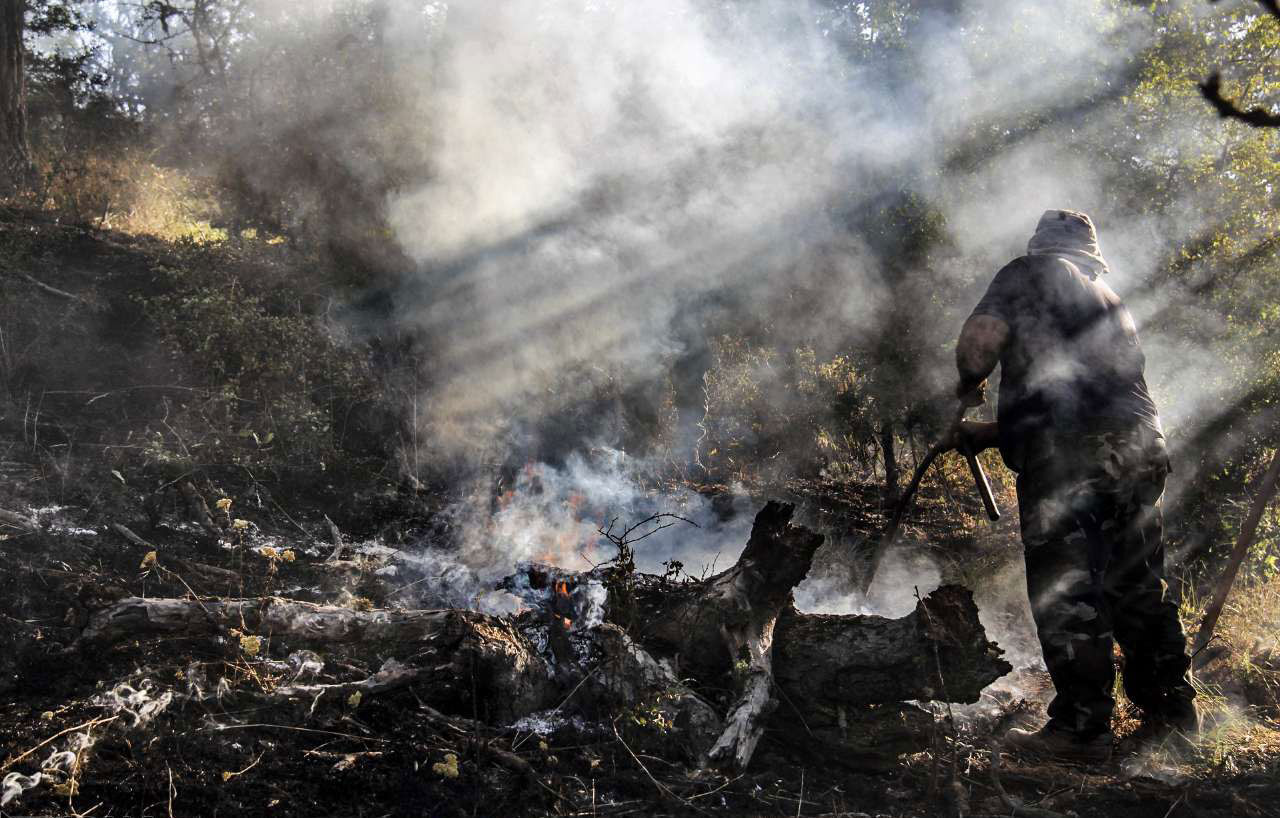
(561, 589)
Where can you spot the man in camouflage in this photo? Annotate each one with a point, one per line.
(1077, 424)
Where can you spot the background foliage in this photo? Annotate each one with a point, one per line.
(163, 120)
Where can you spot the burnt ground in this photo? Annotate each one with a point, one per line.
(179, 726)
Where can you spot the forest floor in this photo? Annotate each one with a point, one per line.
(184, 726)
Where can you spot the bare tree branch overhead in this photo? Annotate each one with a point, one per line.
(1211, 88)
(1256, 116)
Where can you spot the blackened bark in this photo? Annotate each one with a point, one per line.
(841, 680)
(15, 155)
(938, 652)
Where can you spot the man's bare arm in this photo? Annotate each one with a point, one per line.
(982, 341)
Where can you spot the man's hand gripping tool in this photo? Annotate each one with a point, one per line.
(975, 467)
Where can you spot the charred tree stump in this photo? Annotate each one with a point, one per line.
(841, 679)
(723, 629)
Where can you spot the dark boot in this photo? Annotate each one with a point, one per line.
(1183, 715)
(1174, 730)
(1062, 745)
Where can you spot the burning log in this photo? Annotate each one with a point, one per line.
(831, 684)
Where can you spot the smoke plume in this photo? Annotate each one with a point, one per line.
(587, 193)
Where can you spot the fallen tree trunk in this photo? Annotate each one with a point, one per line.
(843, 677)
(937, 652)
(831, 684)
(480, 663)
(840, 678)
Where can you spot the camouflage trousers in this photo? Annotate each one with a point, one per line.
(1092, 527)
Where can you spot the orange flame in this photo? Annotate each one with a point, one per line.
(561, 589)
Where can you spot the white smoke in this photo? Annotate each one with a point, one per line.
(599, 166)
(603, 171)
(596, 165)
(554, 516)
(902, 573)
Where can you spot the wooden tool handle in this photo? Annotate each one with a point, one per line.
(984, 487)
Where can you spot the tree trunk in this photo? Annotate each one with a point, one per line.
(890, 454)
(844, 678)
(15, 154)
(744, 603)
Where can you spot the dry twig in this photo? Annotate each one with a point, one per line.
(87, 725)
(663, 789)
(1014, 807)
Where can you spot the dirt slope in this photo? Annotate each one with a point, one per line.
(189, 727)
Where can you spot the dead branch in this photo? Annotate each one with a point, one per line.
(1248, 529)
(663, 789)
(47, 289)
(1014, 807)
(1257, 117)
(125, 532)
(391, 676)
(15, 519)
(335, 536)
(206, 573)
(198, 508)
(9, 762)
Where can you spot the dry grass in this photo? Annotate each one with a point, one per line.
(1248, 652)
(1238, 688)
(127, 191)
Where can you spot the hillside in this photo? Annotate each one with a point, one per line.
(186, 421)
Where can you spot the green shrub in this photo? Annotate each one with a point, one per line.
(769, 413)
(274, 379)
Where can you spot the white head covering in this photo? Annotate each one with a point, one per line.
(1070, 234)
